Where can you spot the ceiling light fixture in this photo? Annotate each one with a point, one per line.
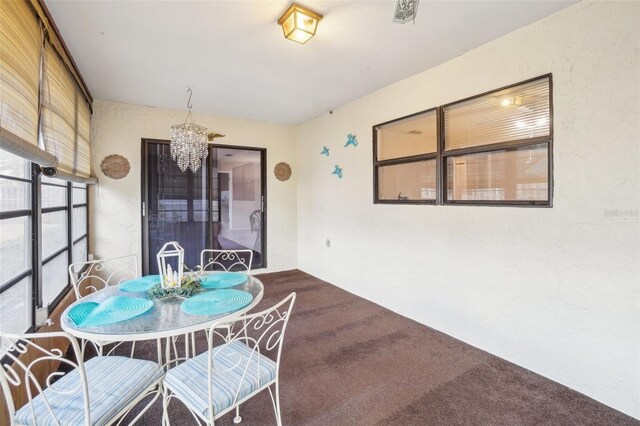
(299, 23)
(406, 11)
(189, 142)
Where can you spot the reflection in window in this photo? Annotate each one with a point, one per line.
(519, 174)
(408, 181)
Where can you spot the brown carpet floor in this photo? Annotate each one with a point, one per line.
(348, 361)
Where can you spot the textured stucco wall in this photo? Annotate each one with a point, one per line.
(554, 290)
(115, 217)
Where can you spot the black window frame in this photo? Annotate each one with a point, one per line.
(75, 206)
(442, 155)
(35, 212)
(406, 160)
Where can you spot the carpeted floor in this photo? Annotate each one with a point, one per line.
(348, 361)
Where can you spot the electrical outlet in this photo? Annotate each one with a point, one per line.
(328, 243)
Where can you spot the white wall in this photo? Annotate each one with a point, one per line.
(554, 290)
(116, 204)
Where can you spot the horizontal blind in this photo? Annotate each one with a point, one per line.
(65, 118)
(20, 52)
(512, 114)
(408, 137)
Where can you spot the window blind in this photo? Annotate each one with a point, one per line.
(65, 121)
(512, 114)
(20, 53)
(408, 137)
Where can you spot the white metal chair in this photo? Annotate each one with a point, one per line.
(226, 260)
(245, 363)
(97, 392)
(255, 220)
(91, 276)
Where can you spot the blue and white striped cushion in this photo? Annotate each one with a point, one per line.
(188, 381)
(113, 382)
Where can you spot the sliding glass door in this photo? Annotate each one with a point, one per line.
(221, 206)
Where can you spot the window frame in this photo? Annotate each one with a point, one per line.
(85, 235)
(32, 270)
(405, 160)
(35, 212)
(442, 155)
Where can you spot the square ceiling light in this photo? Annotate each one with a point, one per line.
(299, 24)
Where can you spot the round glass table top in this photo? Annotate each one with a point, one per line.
(164, 319)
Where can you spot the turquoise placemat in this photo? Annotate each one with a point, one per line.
(140, 283)
(110, 311)
(216, 302)
(223, 279)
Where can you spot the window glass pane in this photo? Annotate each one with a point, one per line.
(14, 195)
(79, 195)
(55, 277)
(55, 181)
(408, 181)
(54, 232)
(517, 113)
(410, 136)
(80, 251)
(79, 222)
(15, 246)
(53, 196)
(12, 165)
(519, 174)
(15, 308)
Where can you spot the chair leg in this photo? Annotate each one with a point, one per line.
(237, 419)
(275, 401)
(165, 406)
(278, 415)
(133, 348)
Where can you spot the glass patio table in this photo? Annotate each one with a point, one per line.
(165, 319)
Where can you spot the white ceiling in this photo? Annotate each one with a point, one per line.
(233, 54)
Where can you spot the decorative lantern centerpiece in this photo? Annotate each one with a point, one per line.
(170, 278)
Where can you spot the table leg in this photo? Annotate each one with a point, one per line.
(159, 344)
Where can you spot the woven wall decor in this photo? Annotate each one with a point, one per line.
(115, 166)
(282, 171)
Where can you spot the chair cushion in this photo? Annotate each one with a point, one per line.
(113, 383)
(188, 381)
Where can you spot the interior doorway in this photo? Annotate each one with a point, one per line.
(221, 206)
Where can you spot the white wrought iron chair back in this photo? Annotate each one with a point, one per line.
(226, 260)
(89, 277)
(94, 275)
(20, 369)
(262, 335)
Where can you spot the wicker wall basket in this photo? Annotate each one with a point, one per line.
(282, 171)
(115, 166)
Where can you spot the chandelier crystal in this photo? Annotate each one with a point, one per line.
(189, 143)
